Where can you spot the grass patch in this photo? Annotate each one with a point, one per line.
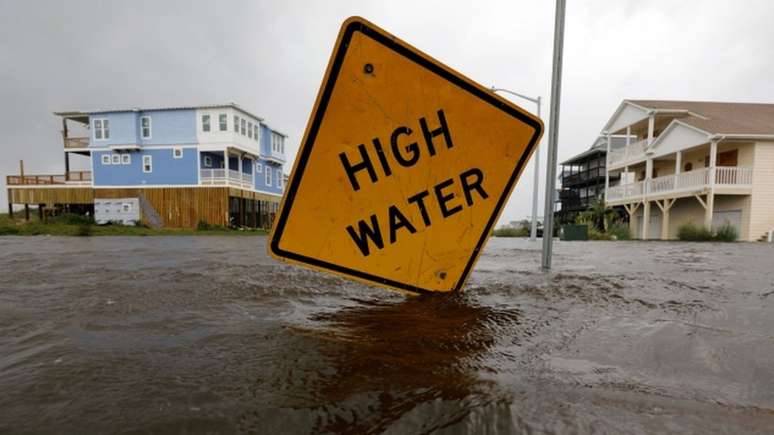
(76, 225)
(693, 233)
(511, 232)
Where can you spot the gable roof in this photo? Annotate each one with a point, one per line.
(720, 117)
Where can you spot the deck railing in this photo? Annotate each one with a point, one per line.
(223, 177)
(691, 180)
(72, 177)
(76, 142)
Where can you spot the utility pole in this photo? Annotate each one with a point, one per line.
(536, 158)
(553, 135)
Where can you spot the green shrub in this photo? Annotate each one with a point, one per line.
(8, 231)
(595, 234)
(203, 226)
(71, 219)
(511, 232)
(726, 233)
(691, 233)
(619, 231)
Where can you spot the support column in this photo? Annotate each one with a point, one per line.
(225, 161)
(239, 169)
(628, 136)
(651, 127)
(40, 212)
(645, 219)
(607, 165)
(678, 162)
(710, 208)
(255, 217)
(26, 212)
(67, 166)
(10, 210)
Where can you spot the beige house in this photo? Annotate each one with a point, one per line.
(689, 161)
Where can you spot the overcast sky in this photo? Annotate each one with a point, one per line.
(269, 57)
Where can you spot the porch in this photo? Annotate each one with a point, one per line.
(727, 179)
(227, 168)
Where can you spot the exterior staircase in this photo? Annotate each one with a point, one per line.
(149, 214)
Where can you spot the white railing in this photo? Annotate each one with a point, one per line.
(732, 175)
(222, 177)
(691, 180)
(632, 152)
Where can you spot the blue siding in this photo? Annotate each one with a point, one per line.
(260, 178)
(265, 140)
(168, 127)
(166, 169)
(122, 126)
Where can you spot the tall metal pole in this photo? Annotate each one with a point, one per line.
(536, 184)
(535, 189)
(553, 135)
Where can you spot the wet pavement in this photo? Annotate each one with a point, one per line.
(209, 335)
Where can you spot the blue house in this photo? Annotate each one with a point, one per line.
(217, 164)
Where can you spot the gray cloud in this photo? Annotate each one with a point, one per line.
(270, 57)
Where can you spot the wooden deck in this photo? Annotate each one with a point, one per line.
(72, 177)
(179, 207)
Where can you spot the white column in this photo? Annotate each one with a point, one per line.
(607, 165)
(711, 182)
(645, 219)
(678, 162)
(651, 125)
(628, 136)
(646, 192)
(239, 168)
(225, 161)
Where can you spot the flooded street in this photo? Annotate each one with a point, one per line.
(209, 335)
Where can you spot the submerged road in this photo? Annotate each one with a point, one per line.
(209, 335)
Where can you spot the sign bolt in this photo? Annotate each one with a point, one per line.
(368, 68)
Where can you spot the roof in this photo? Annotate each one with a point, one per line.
(74, 114)
(599, 146)
(720, 117)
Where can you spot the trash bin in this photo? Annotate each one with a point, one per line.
(575, 232)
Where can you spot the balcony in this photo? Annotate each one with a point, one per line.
(682, 184)
(76, 142)
(224, 177)
(631, 153)
(71, 178)
(570, 178)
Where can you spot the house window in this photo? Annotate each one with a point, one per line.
(126, 159)
(177, 153)
(207, 161)
(147, 164)
(116, 159)
(105, 159)
(277, 143)
(268, 177)
(243, 125)
(145, 127)
(255, 133)
(279, 178)
(126, 207)
(101, 129)
(250, 130)
(222, 121)
(258, 168)
(236, 124)
(205, 122)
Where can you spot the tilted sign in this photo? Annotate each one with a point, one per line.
(404, 168)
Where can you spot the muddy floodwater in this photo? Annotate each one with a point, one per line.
(209, 335)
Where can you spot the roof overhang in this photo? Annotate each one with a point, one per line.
(125, 147)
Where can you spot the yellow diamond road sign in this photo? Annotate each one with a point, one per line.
(404, 168)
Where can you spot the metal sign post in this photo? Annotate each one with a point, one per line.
(553, 135)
